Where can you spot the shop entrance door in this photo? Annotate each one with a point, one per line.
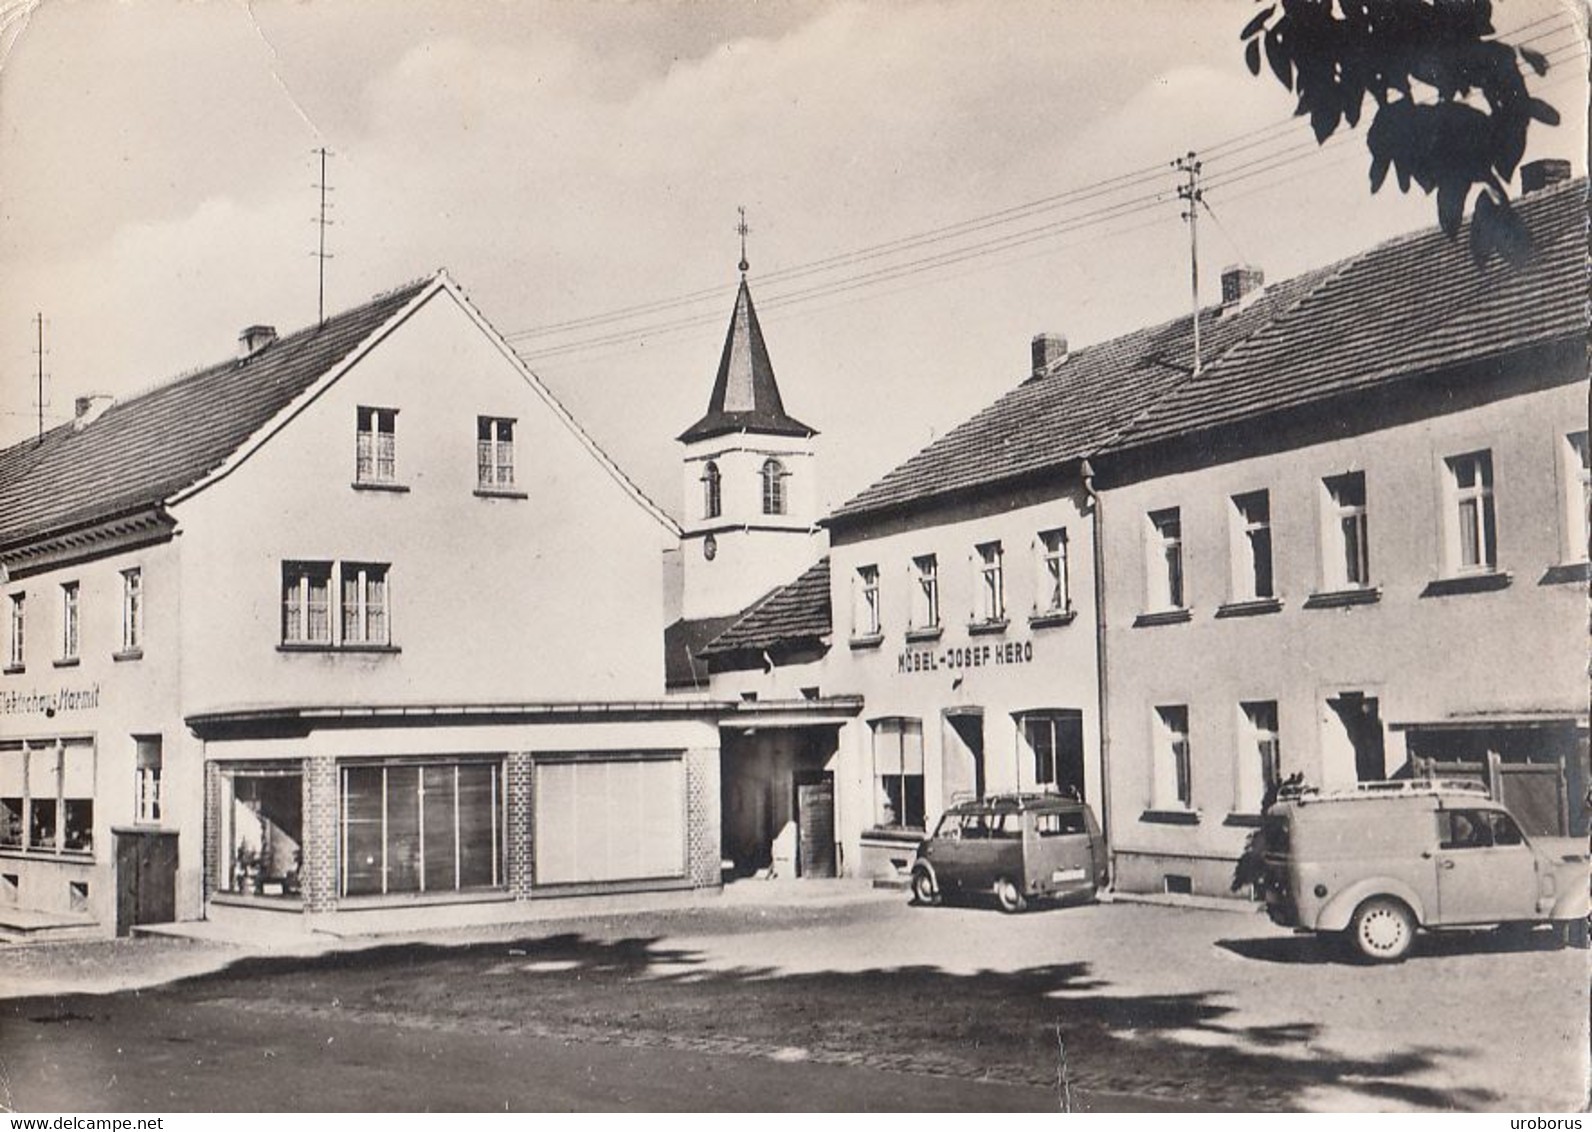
(815, 823)
(146, 878)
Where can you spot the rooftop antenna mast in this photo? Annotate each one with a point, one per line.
(742, 230)
(1190, 191)
(38, 321)
(321, 224)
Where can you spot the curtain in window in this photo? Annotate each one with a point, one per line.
(609, 819)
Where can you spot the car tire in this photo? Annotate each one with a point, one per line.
(923, 888)
(1383, 930)
(1011, 897)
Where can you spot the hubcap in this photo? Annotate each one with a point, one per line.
(1382, 930)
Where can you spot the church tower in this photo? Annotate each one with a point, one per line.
(750, 502)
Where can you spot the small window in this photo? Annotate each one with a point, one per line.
(1054, 595)
(147, 781)
(306, 603)
(1173, 785)
(926, 592)
(1252, 576)
(898, 773)
(1473, 534)
(1577, 496)
(376, 452)
(1055, 740)
(18, 654)
(1006, 827)
(494, 452)
(991, 583)
(1465, 829)
(364, 603)
(865, 619)
(712, 491)
(1346, 555)
(71, 613)
(774, 474)
(132, 609)
(1259, 755)
(1060, 823)
(1165, 570)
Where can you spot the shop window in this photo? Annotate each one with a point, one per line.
(1173, 785)
(865, 618)
(774, 474)
(411, 827)
(17, 655)
(494, 452)
(71, 620)
(147, 778)
(1054, 593)
(1165, 568)
(1577, 495)
(712, 491)
(1346, 553)
(898, 773)
(609, 819)
(47, 796)
(1251, 547)
(1472, 519)
(132, 610)
(376, 449)
(1055, 741)
(262, 830)
(1260, 754)
(926, 592)
(361, 617)
(991, 583)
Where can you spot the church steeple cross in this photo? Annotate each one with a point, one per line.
(742, 229)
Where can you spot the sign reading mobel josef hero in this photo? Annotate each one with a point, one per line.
(957, 657)
(50, 702)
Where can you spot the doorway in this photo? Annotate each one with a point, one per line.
(815, 823)
(962, 755)
(146, 878)
(1356, 730)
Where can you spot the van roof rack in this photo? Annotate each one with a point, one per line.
(1392, 788)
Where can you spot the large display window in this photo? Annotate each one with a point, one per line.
(609, 819)
(262, 830)
(421, 827)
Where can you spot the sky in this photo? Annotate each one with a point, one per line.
(927, 185)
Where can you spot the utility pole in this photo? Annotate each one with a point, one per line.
(1190, 191)
(38, 320)
(321, 255)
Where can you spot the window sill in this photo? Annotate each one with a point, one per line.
(500, 493)
(1243, 820)
(986, 628)
(1163, 617)
(376, 485)
(1251, 607)
(68, 856)
(1338, 599)
(379, 649)
(1468, 584)
(928, 633)
(1170, 817)
(128, 654)
(14, 669)
(894, 834)
(1566, 572)
(872, 641)
(1053, 618)
(67, 661)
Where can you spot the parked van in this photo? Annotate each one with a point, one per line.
(1017, 847)
(1382, 859)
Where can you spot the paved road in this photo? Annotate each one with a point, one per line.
(864, 1006)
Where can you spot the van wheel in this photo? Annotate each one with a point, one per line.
(923, 890)
(1010, 896)
(1383, 930)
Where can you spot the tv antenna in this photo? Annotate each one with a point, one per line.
(38, 321)
(321, 224)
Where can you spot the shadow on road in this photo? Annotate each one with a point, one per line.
(1034, 1026)
(1317, 949)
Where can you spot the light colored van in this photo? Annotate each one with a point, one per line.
(1383, 859)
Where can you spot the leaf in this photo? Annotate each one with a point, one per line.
(1542, 112)
(1252, 56)
(1379, 168)
(1451, 206)
(1257, 23)
(1278, 56)
(1535, 59)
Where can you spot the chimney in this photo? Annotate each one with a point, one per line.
(86, 409)
(253, 339)
(1538, 175)
(1241, 285)
(1049, 351)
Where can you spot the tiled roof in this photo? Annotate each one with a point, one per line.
(1414, 305)
(684, 665)
(1404, 307)
(795, 612)
(745, 395)
(140, 452)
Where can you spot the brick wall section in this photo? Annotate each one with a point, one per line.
(702, 816)
(212, 827)
(520, 865)
(318, 872)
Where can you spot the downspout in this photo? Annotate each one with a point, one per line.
(1097, 516)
